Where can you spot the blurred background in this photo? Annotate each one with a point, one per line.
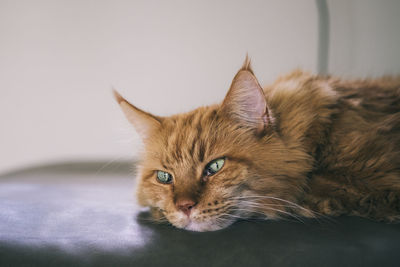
(60, 59)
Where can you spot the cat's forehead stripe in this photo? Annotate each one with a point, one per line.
(189, 136)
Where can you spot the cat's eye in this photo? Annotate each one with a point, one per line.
(214, 166)
(164, 177)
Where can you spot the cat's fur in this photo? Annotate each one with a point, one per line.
(303, 146)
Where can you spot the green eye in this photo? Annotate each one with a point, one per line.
(164, 177)
(214, 166)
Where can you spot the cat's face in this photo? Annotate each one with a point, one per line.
(193, 176)
(200, 167)
(205, 169)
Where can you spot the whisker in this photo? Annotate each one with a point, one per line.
(233, 216)
(316, 215)
(262, 206)
(276, 198)
(105, 165)
(278, 210)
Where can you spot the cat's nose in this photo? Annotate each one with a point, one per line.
(185, 205)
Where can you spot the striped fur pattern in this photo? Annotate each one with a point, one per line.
(305, 146)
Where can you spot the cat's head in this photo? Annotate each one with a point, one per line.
(204, 169)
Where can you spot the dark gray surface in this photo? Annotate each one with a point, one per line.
(85, 214)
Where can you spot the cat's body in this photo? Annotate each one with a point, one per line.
(351, 130)
(304, 146)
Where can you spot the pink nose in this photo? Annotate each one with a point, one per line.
(185, 205)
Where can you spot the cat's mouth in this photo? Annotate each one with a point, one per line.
(197, 221)
(207, 226)
(191, 224)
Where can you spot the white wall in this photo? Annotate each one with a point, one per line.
(59, 59)
(365, 37)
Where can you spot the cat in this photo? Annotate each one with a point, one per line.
(305, 146)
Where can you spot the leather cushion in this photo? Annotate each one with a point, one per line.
(79, 214)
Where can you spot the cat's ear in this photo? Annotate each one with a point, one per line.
(245, 100)
(143, 122)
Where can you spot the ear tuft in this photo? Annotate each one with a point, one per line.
(247, 64)
(245, 101)
(117, 96)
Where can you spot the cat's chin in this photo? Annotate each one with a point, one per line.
(179, 220)
(204, 226)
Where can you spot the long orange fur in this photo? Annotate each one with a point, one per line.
(304, 146)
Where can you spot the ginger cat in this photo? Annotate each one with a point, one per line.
(304, 146)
